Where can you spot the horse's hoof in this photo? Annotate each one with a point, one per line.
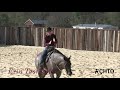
(44, 71)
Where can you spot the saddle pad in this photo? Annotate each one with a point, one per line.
(48, 56)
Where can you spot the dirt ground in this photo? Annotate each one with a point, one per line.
(19, 62)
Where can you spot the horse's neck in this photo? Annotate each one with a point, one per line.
(61, 66)
(58, 59)
(60, 53)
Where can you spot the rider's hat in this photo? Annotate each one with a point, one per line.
(49, 29)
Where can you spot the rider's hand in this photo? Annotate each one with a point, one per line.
(50, 42)
(53, 39)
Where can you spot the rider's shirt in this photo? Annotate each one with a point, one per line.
(50, 38)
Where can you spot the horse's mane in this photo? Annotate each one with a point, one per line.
(57, 51)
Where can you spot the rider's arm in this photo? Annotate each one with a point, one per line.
(46, 41)
(55, 39)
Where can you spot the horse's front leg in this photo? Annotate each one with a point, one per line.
(51, 75)
(41, 73)
(58, 74)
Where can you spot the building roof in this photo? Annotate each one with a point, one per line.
(37, 21)
(94, 26)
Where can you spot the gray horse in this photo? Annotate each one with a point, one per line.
(54, 65)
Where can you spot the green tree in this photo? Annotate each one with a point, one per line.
(4, 20)
(17, 19)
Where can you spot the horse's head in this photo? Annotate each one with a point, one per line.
(68, 66)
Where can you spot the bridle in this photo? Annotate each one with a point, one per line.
(59, 67)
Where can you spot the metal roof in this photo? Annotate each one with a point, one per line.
(93, 25)
(37, 21)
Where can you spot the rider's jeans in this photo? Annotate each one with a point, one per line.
(43, 56)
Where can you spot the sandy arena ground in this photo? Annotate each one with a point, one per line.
(18, 62)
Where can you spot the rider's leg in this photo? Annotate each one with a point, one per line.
(43, 57)
(51, 48)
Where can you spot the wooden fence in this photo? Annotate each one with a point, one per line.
(69, 38)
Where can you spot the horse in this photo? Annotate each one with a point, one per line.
(54, 64)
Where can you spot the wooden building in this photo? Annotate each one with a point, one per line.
(35, 23)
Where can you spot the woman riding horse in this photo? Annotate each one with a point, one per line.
(50, 41)
(56, 62)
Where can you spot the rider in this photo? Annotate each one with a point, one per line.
(50, 41)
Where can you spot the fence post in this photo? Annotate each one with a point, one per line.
(98, 38)
(5, 34)
(113, 41)
(43, 37)
(105, 40)
(119, 42)
(31, 36)
(24, 36)
(108, 41)
(36, 37)
(19, 36)
(117, 45)
(75, 40)
(16, 36)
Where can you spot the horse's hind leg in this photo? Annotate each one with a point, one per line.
(51, 75)
(41, 74)
(58, 74)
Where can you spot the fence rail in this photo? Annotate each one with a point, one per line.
(69, 38)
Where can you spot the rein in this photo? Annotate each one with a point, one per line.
(55, 63)
(58, 67)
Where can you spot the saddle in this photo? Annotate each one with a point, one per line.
(50, 51)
